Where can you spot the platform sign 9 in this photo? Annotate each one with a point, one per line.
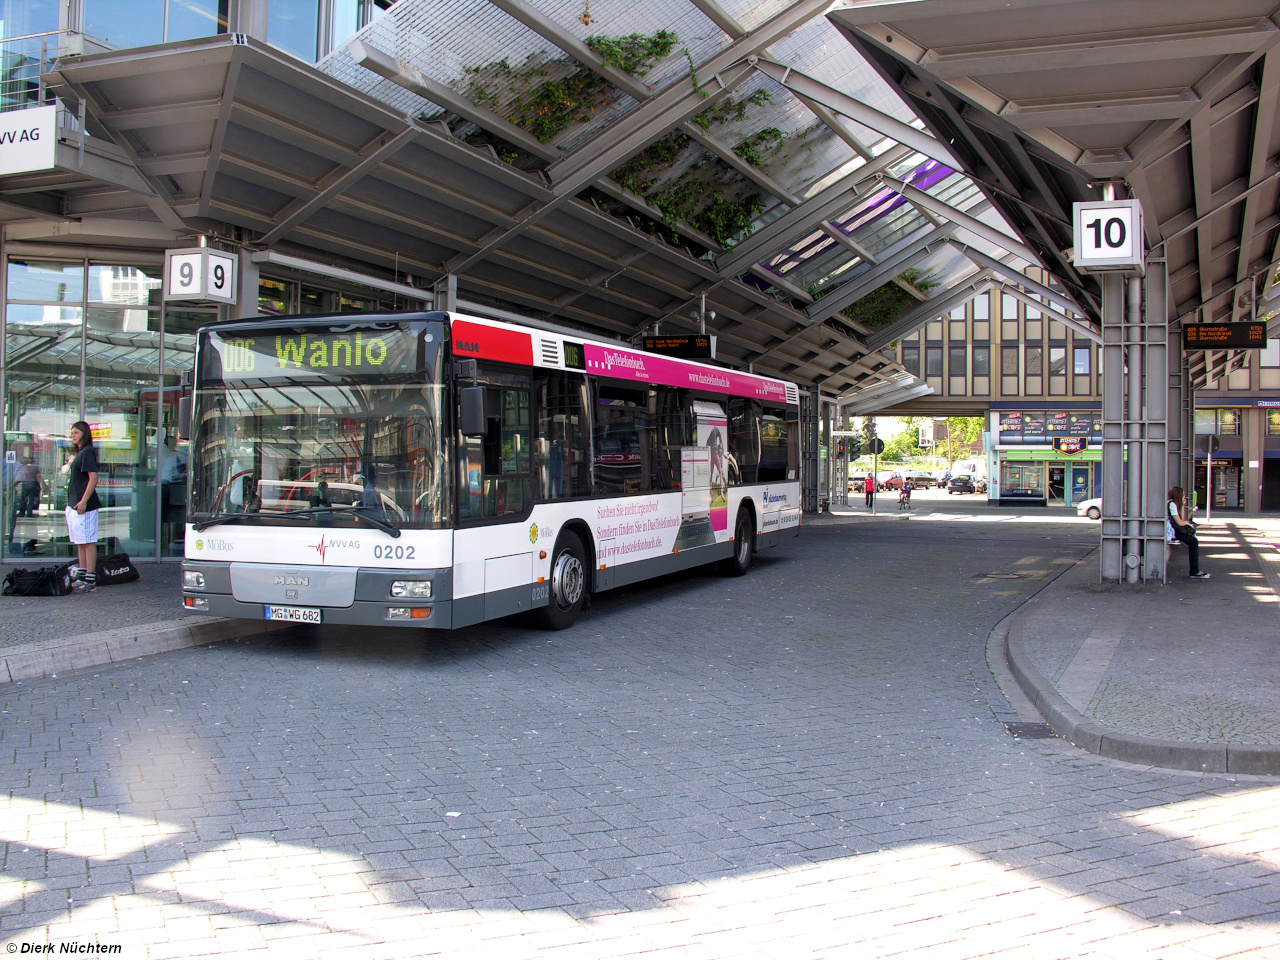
(1108, 235)
(199, 273)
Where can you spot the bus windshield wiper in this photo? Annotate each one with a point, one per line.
(355, 510)
(232, 517)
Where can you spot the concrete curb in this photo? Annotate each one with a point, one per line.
(43, 658)
(1070, 724)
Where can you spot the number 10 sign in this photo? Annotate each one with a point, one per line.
(198, 273)
(1108, 235)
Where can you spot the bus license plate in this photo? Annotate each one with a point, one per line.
(293, 614)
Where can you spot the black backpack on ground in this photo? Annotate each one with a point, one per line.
(41, 582)
(116, 568)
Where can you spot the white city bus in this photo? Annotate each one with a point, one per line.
(438, 470)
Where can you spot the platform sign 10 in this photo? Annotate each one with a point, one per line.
(199, 273)
(1108, 236)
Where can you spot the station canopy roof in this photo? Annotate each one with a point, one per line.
(602, 165)
(1175, 101)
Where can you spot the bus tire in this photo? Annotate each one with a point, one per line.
(743, 545)
(568, 584)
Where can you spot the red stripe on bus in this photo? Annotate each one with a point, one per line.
(492, 343)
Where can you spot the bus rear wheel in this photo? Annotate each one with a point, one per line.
(568, 584)
(743, 544)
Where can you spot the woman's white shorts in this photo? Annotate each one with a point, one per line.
(82, 527)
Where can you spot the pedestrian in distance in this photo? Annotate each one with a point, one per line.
(870, 487)
(82, 507)
(25, 492)
(1178, 529)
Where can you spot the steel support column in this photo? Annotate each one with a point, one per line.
(1112, 556)
(1133, 422)
(246, 304)
(445, 292)
(1156, 420)
(809, 403)
(828, 472)
(1136, 406)
(1180, 437)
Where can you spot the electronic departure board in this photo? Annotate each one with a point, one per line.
(1223, 336)
(693, 347)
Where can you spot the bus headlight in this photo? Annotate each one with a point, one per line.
(193, 579)
(415, 589)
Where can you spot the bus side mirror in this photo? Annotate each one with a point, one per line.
(184, 418)
(471, 411)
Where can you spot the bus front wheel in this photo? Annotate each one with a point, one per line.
(740, 562)
(568, 584)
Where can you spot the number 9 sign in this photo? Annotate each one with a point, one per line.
(198, 273)
(1108, 236)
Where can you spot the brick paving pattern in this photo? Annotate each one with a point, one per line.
(806, 761)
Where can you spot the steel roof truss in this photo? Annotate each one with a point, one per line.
(917, 318)
(337, 183)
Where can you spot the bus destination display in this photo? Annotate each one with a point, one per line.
(1221, 336)
(289, 354)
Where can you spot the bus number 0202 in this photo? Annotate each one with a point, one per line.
(388, 552)
(1113, 233)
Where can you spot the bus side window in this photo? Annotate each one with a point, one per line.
(562, 446)
(496, 466)
(670, 414)
(622, 448)
(778, 453)
(744, 440)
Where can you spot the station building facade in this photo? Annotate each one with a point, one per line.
(1038, 385)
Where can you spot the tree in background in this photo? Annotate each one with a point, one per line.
(906, 443)
(961, 438)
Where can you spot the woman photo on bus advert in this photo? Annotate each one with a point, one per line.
(83, 505)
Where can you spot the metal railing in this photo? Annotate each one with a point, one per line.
(24, 60)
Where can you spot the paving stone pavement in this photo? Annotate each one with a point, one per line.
(807, 761)
(1193, 661)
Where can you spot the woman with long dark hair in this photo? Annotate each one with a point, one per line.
(1184, 531)
(83, 505)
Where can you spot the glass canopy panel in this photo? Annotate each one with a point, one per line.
(503, 66)
(813, 263)
(946, 268)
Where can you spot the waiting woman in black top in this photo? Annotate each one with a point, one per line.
(83, 505)
(1184, 530)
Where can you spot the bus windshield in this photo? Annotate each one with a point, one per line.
(335, 447)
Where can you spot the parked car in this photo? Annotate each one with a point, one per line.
(966, 483)
(922, 480)
(1090, 508)
(889, 480)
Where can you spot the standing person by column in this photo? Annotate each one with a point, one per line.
(83, 505)
(870, 488)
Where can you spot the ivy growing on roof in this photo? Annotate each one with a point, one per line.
(889, 303)
(710, 195)
(546, 97)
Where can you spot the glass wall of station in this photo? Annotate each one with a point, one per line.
(89, 340)
(307, 29)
